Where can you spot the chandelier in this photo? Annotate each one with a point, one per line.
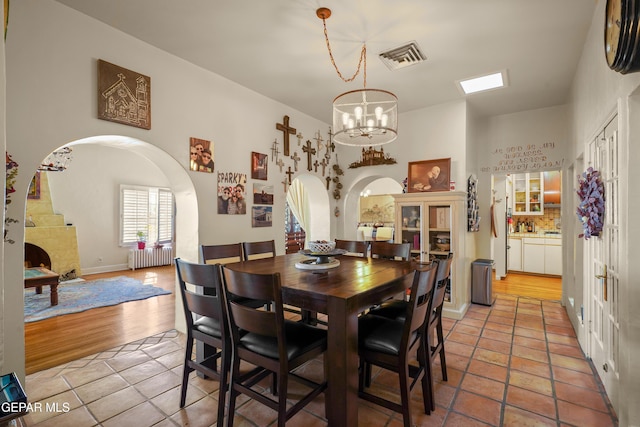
(363, 117)
(57, 161)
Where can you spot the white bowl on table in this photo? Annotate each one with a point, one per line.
(322, 247)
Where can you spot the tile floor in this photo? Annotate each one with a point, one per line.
(513, 364)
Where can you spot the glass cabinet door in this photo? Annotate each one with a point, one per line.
(520, 193)
(411, 229)
(528, 194)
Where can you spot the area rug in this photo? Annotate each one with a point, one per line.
(77, 297)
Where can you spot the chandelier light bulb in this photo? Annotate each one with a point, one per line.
(378, 112)
(345, 119)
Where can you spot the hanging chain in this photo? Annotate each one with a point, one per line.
(363, 58)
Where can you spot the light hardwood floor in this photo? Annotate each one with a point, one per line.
(62, 339)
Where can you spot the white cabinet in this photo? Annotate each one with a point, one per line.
(515, 254)
(553, 256)
(434, 224)
(540, 255)
(528, 194)
(533, 255)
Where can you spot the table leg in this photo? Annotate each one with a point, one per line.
(342, 376)
(54, 294)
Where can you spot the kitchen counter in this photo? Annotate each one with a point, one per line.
(537, 234)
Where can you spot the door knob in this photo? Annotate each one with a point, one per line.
(604, 281)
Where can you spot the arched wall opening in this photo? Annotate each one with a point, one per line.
(371, 185)
(180, 184)
(318, 207)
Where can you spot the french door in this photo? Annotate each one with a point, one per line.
(602, 268)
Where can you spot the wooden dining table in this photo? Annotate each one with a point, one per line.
(341, 293)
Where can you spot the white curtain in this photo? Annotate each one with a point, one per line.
(296, 199)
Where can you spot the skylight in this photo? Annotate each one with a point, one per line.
(482, 83)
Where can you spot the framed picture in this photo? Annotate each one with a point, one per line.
(429, 175)
(261, 216)
(262, 194)
(34, 187)
(124, 96)
(258, 166)
(201, 155)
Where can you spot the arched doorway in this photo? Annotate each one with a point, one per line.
(371, 185)
(173, 173)
(312, 208)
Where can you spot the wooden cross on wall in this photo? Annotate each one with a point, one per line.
(315, 165)
(280, 163)
(319, 140)
(289, 172)
(307, 149)
(324, 164)
(286, 130)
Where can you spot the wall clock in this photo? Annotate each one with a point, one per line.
(622, 35)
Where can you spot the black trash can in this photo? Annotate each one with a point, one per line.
(482, 281)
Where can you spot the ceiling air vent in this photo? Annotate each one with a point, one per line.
(403, 56)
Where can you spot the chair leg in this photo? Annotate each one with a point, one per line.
(428, 398)
(405, 394)
(282, 400)
(224, 371)
(443, 362)
(233, 393)
(186, 371)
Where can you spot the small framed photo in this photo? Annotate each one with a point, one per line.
(262, 194)
(429, 175)
(261, 216)
(258, 166)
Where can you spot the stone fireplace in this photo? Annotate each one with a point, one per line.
(47, 230)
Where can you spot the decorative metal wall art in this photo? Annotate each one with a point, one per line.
(124, 96)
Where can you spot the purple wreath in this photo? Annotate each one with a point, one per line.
(590, 211)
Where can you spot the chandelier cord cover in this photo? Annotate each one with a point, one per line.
(323, 13)
(364, 117)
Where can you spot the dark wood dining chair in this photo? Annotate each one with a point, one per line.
(390, 344)
(221, 254)
(270, 343)
(206, 323)
(435, 335)
(397, 310)
(353, 247)
(257, 250)
(389, 250)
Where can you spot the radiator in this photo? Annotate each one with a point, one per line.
(140, 258)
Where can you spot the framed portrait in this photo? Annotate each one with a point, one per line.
(258, 166)
(201, 155)
(34, 187)
(231, 193)
(124, 96)
(429, 175)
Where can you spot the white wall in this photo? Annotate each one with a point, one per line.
(598, 92)
(88, 195)
(51, 56)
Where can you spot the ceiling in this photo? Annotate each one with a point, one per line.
(277, 47)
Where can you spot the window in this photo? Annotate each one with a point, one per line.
(145, 209)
